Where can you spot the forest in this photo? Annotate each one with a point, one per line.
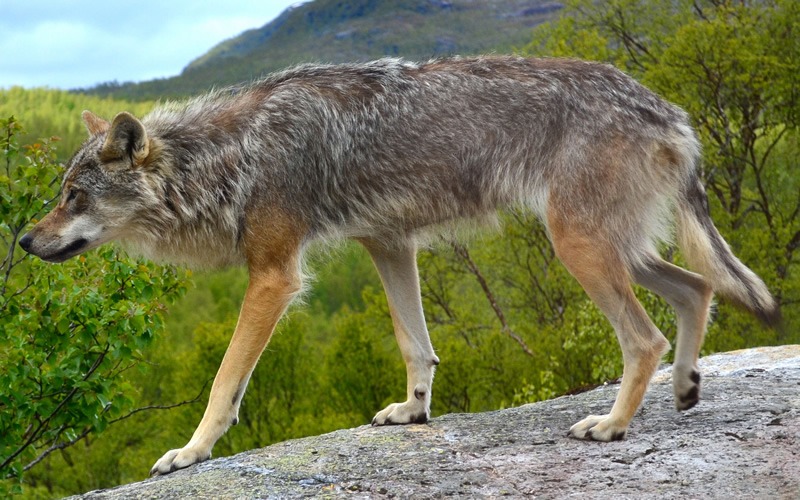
(106, 361)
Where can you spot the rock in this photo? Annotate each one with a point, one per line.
(741, 441)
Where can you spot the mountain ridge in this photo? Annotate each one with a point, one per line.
(334, 31)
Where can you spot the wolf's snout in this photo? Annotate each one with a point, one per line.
(52, 249)
(26, 241)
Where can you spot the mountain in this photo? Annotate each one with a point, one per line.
(355, 30)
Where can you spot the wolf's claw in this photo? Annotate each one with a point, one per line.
(598, 428)
(179, 459)
(410, 412)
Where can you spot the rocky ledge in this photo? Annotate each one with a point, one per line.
(741, 441)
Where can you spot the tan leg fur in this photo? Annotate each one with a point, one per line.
(397, 267)
(602, 274)
(690, 295)
(274, 282)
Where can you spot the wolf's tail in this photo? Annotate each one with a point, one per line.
(709, 254)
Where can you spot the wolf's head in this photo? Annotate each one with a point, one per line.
(100, 194)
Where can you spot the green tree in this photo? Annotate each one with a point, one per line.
(47, 112)
(733, 66)
(507, 320)
(69, 332)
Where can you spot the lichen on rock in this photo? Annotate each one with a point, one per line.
(741, 441)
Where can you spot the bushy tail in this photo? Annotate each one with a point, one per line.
(708, 254)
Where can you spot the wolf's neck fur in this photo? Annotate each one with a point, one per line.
(199, 183)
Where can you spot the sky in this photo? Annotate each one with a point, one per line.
(70, 44)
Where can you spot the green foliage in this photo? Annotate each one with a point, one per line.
(69, 331)
(363, 361)
(553, 340)
(719, 60)
(508, 322)
(356, 30)
(49, 113)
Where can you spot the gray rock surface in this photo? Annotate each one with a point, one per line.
(741, 441)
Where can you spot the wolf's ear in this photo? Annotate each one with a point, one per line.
(126, 139)
(94, 124)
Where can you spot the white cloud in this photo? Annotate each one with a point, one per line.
(50, 42)
(91, 42)
(191, 40)
(43, 51)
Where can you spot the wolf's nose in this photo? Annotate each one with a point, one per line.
(25, 242)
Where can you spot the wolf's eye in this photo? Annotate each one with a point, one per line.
(71, 194)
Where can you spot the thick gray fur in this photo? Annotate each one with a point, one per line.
(386, 151)
(390, 147)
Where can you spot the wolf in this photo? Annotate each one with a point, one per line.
(385, 151)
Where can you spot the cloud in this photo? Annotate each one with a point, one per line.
(93, 42)
(44, 49)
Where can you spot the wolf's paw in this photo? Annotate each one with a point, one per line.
(410, 412)
(686, 386)
(179, 459)
(598, 428)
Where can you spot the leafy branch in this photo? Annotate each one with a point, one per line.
(472, 267)
(65, 444)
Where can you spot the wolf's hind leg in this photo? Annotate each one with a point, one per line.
(690, 296)
(397, 267)
(598, 268)
(269, 293)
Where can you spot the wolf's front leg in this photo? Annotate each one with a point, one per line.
(397, 267)
(268, 295)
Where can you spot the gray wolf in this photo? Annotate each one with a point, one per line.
(381, 152)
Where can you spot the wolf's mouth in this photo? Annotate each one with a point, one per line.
(70, 250)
